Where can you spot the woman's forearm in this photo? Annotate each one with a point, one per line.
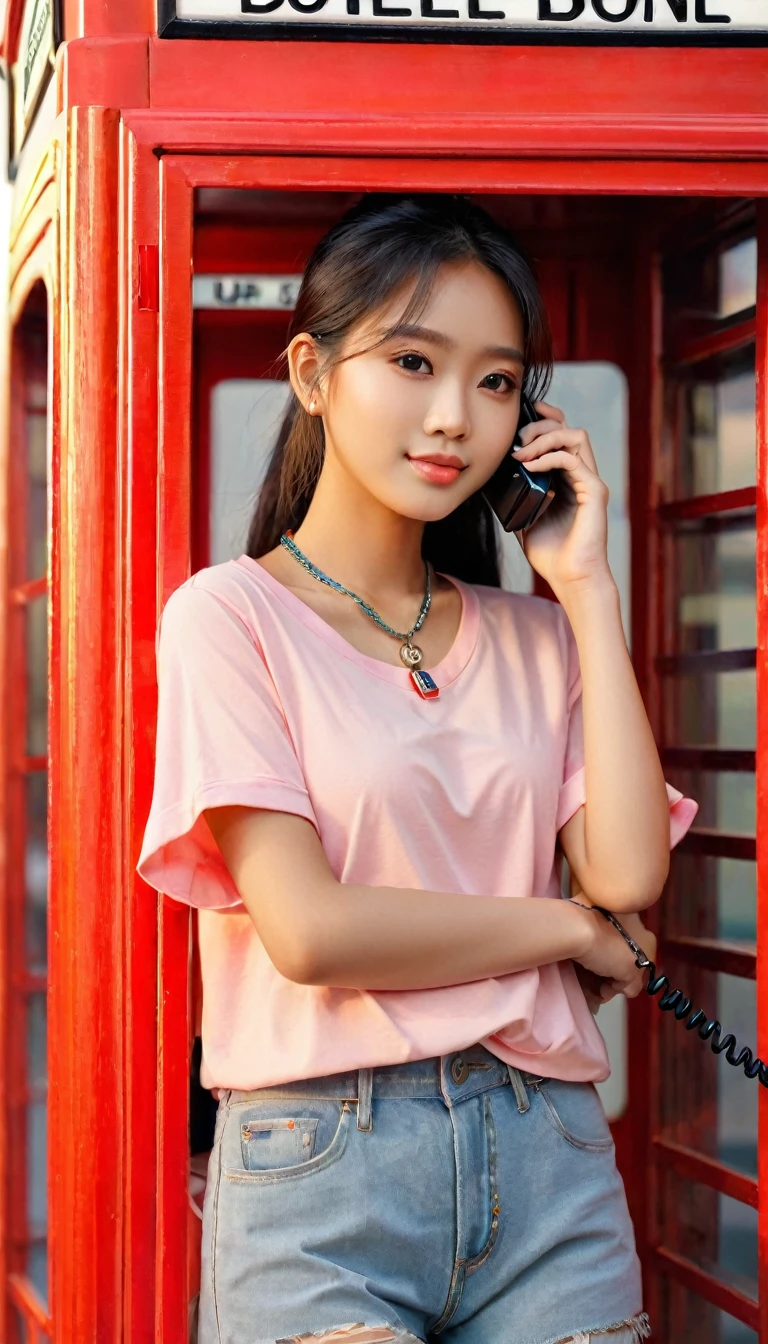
(392, 938)
(317, 930)
(621, 854)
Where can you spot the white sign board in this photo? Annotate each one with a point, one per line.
(275, 293)
(654, 20)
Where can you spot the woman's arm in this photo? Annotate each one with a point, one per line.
(617, 845)
(318, 931)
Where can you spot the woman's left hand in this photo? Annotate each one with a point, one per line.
(568, 545)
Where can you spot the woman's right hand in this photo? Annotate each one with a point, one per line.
(610, 957)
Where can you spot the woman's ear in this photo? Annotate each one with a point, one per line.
(304, 370)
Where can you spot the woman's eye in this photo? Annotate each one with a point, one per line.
(498, 382)
(413, 363)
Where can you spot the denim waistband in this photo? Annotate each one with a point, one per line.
(452, 1078)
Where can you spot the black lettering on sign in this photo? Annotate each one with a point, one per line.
(307, 6)
(703, 17)
(575, 12)
(238, 292)
(428, 11)
(629, 8)
(679, 9)
(353, 6)
(475, 12)
(382, 11)
(252, 7)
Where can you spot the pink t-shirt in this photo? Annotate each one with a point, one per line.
(263, 703)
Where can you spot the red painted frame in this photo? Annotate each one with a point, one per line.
(356, 117)
(180, 176)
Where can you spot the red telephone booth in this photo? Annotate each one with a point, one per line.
(169, 171)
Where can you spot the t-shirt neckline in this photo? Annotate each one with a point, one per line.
(446, 671)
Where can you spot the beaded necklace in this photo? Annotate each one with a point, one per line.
(410, 653)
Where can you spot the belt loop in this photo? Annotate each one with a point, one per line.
(364, 1096)
(516, 1079)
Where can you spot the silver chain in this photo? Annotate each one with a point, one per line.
(318, 574)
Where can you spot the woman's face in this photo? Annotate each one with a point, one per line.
(423, 420)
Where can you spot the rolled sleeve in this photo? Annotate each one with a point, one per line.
(222, 740)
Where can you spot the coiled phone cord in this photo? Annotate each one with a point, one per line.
(674, 1001)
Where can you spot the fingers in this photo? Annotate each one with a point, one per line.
(581, 477)
(559, 458)
(633, 987)
(547, 435)
(550, 412)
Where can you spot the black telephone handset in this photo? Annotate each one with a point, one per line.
(517, 496)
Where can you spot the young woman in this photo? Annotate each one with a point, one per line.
(409, 1143)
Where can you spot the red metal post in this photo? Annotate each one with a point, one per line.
(87, 899)
(138, 402)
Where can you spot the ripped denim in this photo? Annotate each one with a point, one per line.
(451, 1199)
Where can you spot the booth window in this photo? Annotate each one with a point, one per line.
(693, 511)
(26, 891)
(705, 678)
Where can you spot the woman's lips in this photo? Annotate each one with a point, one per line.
(435, 472)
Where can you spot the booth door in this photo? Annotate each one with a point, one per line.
(657, 358)
(703, 1121)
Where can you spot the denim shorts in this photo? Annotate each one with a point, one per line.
(451, 1199)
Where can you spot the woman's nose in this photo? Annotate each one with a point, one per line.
(448, 412)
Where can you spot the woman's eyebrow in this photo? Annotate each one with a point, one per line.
(406, 330)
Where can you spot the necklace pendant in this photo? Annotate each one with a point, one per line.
(410, 654)
(424, 684)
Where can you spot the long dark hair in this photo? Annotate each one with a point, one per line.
(380, 245)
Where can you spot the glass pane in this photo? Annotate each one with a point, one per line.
(707, 1103)
(718, 438)
(714, 597)
(711, 898)
(21, 1326)
(37, 676)
(727, 800)
(36, 338)
(37, 1269)
(688, 1318)
(37, 540)
(36, 873)
(37, 1041)
(245, 418)
(710, 709)
(717, 1233)
(593, 394)
(37, 1175)
(738, 277)
(37, 1134)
